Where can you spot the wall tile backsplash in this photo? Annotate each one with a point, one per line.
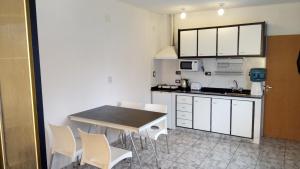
(165, 73)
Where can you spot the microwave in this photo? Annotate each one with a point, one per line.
(189, 65)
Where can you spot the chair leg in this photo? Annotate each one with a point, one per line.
(90, 127)
(155, 148)
(51, 160)
(141, 140)
(146, 144)
(78, 158)
(125, 140)
(121, 138)
(167, 140)
(131, 161)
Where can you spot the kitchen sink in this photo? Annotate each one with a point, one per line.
(225, 91)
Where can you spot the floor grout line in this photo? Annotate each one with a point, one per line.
(233, 155)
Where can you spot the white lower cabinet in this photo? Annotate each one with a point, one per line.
(220, 116)
(165, 98)
(226, 115)
(242, 118)
(202, 111)
(184, 111)
(184, 123)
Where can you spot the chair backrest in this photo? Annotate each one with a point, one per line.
(63, 140)
(131, 105)
(96, 149)
(157, 108)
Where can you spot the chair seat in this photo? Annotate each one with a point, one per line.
(118, 154)
(154, 133)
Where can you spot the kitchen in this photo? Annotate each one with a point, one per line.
(183, 84)
(210, 102)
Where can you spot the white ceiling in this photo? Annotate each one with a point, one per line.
(175, 6)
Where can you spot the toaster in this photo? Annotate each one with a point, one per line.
(195, 86)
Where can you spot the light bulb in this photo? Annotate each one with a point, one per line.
(183, 15)
(221, 12)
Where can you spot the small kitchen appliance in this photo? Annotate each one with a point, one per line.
(189, 65)
(257, 77)
(184, 83)
(195, 86)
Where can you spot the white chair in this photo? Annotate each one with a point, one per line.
(64, 143)
(131, 105)
(97, 151)
(160, 128)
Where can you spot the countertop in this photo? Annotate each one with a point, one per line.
(188, 91)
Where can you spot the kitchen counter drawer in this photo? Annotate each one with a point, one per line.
(185, 115)
(184, 123)
(185, 99)
(185, 107)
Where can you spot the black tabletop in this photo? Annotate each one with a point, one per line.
(119, 115)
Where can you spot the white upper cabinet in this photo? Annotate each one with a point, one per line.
(188, 43)
(227, 41)
(242, 118)
(220, 116)
(250, 39)
(207, 42)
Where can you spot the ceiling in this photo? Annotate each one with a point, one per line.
(175, 6)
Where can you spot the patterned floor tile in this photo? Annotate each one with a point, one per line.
(194, 149)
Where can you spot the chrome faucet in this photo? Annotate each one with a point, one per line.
(236, 85)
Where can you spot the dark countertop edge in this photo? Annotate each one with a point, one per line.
(207, 93)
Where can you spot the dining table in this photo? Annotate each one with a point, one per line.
(126, 119)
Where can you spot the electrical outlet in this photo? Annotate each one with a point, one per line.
(178, 72)
(207, 73)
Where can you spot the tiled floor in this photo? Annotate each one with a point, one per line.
(191, 149)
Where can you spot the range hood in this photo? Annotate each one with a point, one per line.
(166, 53)
(169, 51)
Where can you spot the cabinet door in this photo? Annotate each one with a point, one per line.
(220, 116)
(207, 42)
(242, 116)
(227, 41)
(202, 110)
(165, 98)
(188, 43)
(250, 40)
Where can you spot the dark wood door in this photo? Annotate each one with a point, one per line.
(282, 107)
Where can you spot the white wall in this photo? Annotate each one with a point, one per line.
(281, 19)
(82, 43)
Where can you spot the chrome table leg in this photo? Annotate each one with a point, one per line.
(135, 150)
(153, 149)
